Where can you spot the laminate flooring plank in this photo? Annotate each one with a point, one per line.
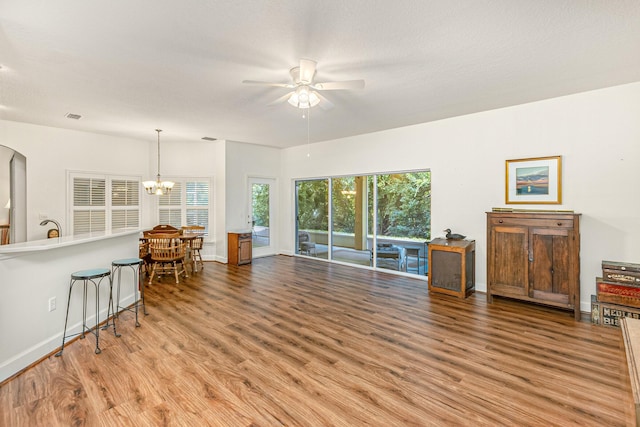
(301, 342)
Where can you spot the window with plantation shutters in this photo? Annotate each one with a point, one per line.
(197, 203)
(170, 206)
(89, 205)
(125, 204)
(187, 204)
(103, 202)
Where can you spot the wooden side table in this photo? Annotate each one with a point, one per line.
(4, 234)
(452, 267)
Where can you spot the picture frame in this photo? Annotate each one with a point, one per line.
(536, 180)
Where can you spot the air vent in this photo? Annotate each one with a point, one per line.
(73, 116)
(208, 138)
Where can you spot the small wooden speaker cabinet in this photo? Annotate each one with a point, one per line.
(452, 267)
(239, 248)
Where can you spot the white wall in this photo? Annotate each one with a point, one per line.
(5, 157)
(198, 159)
(597, 134)
(242, 161)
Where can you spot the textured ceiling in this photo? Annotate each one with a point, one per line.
(129, 67)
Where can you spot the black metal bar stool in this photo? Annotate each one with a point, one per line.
(94, 276)
(135, 264)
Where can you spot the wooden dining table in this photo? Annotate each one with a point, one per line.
(184, 237)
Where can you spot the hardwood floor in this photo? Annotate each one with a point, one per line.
(292, 341)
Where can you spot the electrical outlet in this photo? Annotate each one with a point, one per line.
(52, 303)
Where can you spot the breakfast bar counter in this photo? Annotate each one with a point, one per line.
(34, 284)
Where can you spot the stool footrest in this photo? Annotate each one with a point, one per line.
(95, 277)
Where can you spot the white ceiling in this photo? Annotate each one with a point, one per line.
(129, 67)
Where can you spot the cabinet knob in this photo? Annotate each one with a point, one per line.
(559, 224)
(500, 221)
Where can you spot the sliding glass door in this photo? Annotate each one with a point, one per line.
(312, 217)
(403, 220)
(381, 220)
(349, 231)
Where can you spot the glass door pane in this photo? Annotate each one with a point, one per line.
(260, 211)
(312, 213)
(403, 221)
(350, 241)
(261, 207)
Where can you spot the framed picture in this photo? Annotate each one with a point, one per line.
(534, 181)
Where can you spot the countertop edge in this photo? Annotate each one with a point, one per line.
(61, 242)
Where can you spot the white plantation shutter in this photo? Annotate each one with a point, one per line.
(125, 218)
(171, 217)
(170, 206)
(89, 191)
(198, 194)
(125, 203)
(91, 209)
(198, 217)
(174, 198)
(85, 221)
(198, 203)
(88, 205)
(187, 204)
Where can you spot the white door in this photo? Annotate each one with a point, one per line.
(261, 218)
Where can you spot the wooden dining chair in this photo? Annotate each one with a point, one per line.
(167, 255)
(165, 228)
(145, 256)
(194, 245)
(196, 257)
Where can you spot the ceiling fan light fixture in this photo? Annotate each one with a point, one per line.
(314, 99)
(306, 92)
(304, 98)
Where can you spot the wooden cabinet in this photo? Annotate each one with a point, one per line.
(452, 266)
(534, 257)
(239, 247)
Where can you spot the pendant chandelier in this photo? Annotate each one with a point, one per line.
(158, 187)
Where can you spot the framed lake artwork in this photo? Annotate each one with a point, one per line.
(537, 180)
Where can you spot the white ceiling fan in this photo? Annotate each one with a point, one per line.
(305, 92)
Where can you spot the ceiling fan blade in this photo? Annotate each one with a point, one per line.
(255, 82)
(280, 100)
(348, 84)
(307, 71)
(325, 104)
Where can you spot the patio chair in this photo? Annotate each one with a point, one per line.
(305, 245)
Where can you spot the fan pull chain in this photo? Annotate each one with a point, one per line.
(308, 125)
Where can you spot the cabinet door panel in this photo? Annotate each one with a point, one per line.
(550, 265)
(509, 258)
(244, 251)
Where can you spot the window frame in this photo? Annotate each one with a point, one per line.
(108, 207)
(182, 183)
